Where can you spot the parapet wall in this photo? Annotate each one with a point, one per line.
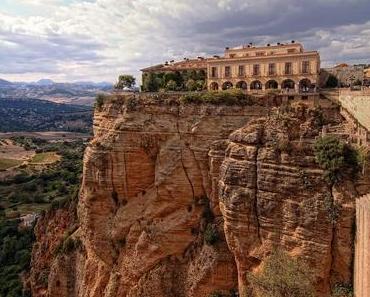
(355, 107)
(362, 253)
(358, 104)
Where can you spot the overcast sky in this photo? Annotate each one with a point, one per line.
(73, 40)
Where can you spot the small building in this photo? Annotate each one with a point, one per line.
(347, 75)
(179, 72)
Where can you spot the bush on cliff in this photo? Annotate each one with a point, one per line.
(99, 100)
(282, 276)
(337, 158)
(227, 97)
(211, 235)
(342, 290)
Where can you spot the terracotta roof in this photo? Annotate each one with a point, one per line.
(181, 65)
(343, 65)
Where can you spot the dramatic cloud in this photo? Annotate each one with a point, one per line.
(96, 40)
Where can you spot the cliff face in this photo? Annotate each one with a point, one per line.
(158, 176)
(273, 195)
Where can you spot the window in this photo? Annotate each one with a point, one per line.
(232, 55)
(291, 50)
(306, 67)
(227, 71)
(272, 69)
(214, 72)
(241, 70)
(256, 69)
(288, 68)
(260, 54)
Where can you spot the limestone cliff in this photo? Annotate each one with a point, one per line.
(158, 174)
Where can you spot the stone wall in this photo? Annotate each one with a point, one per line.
(355, 108)
(358, 104)
(362, 254)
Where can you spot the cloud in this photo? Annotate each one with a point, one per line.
(96, 40)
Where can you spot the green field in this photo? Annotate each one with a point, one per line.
(45, 158)
(9, 163)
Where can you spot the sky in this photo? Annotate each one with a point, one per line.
(96, 40)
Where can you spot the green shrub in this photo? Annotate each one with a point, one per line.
(171, 85)
(338, 159)
(211, 235)
(227, 97)
(282, 276)
(332, 81)
(99, 100)
(342, 290)
(191, 85)
(215, 294)
(68, 245)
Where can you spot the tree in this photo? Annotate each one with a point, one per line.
(150, 83)
(332, 81)
(200, 85)
(282, 276)
(125, 81)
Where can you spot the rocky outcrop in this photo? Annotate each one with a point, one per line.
(273, 195)
(159, 175)
(51, 230)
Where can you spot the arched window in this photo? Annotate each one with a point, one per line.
(305, 85)
(287, 84)
(213, 86)
(256, 85)
(241, 85)
(227, 85)
(272, 84)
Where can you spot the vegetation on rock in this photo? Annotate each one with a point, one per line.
(99, 100)
(227, 97)
(282, 276)
(211, 235)
(337, 158)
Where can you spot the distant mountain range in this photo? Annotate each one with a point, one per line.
(4, 82)
(81, 93)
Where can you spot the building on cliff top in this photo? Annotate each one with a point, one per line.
(284, 67)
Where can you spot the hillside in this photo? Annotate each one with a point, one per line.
(40, 115)
(46, 177)
(80, 93)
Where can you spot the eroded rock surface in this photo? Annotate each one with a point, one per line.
(273, 195)
(157, 174)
